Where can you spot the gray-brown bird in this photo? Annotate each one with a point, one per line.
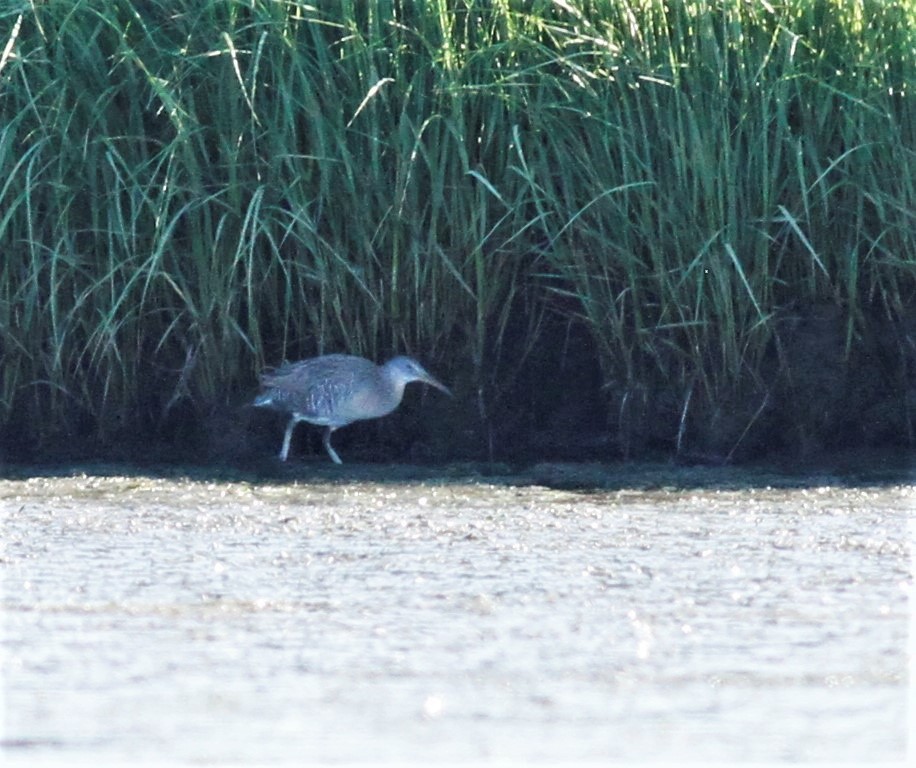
(335, 390)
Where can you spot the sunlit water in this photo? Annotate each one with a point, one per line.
(357, 620)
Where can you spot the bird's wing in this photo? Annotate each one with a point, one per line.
(304, 375)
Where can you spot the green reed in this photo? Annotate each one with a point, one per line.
(719, 165)
(192, 190)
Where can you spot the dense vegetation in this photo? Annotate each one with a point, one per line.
(686, 226)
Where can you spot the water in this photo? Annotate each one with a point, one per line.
(350, 619)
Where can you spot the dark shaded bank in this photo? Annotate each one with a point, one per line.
(827, 398)
(852, 469)
(820, 391)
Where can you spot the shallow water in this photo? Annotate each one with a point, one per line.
(350, 619)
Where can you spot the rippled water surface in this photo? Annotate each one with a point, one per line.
(352, 619)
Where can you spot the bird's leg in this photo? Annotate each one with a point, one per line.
(327, 446)
(284, 451)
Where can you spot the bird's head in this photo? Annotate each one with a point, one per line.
(406, 370)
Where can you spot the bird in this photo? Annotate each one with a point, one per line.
(333, 391)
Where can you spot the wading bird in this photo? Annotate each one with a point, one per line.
(335, 390)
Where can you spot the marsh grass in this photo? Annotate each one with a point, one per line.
(192, 190)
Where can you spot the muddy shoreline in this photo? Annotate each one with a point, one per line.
(852, 468)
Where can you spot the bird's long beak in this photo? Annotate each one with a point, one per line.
(433, 382)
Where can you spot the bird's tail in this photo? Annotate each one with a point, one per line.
(264, 400)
